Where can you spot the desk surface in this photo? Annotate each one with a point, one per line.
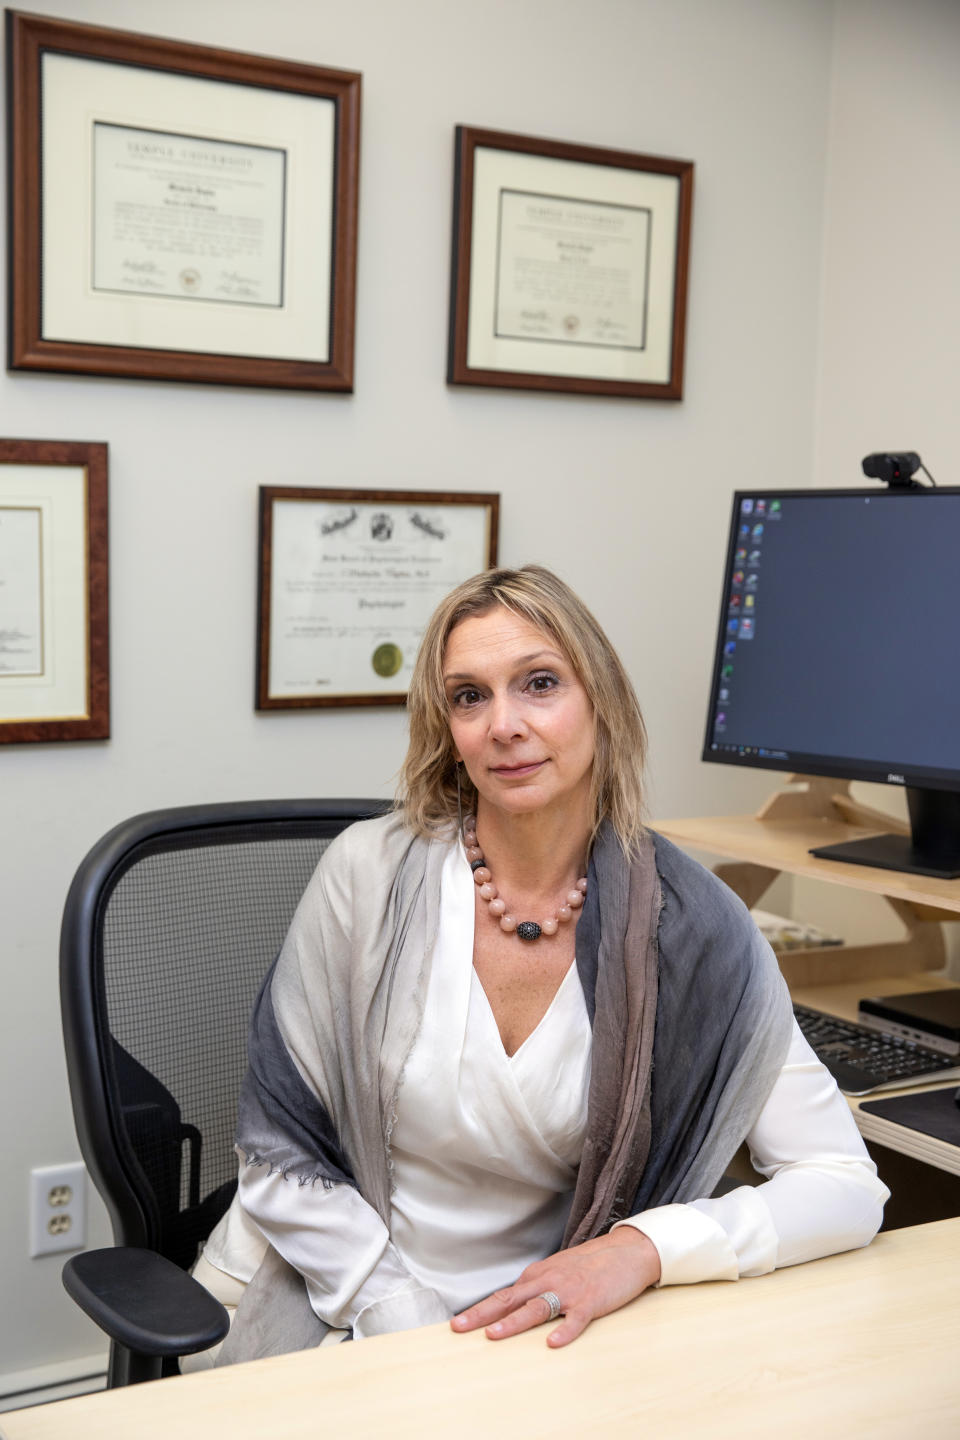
(859, 1344)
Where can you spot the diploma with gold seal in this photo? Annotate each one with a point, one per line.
(352, 584)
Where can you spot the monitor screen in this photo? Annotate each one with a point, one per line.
(837, 647)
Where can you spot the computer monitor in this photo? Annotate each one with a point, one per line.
(838, 653)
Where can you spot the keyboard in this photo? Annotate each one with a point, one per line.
(861, 1059)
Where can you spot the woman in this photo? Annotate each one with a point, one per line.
(513, 1039)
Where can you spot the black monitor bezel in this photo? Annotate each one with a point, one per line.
(833, 766)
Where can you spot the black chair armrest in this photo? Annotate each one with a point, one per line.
(145, 1302)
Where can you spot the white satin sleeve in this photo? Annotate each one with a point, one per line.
(354, 1276)
(822, 1193)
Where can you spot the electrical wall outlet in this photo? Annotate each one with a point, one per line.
(58, 1208)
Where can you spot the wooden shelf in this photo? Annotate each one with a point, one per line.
(783, 845)
(755, 849)
(778, 839)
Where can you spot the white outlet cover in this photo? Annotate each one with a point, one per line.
(42, 1181)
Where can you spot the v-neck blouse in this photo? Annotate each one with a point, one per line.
(486, 1146)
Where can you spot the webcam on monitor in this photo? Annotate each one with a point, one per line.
(893, 467)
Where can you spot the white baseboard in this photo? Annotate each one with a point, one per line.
(21, 1388)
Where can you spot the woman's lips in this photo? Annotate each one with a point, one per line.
(517, 772)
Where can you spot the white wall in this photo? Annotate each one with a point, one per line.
(889, 344)
(889, 352)
(627, 500)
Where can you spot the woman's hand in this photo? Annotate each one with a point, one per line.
(588, 1280)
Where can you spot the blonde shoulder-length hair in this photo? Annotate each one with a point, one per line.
(428, 792)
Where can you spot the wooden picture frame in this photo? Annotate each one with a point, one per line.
(570, 266)
(347, 582)
(178, 212)
(54, 625)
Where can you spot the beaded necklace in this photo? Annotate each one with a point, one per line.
(483, 878)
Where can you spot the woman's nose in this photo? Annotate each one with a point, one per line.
(506, 721)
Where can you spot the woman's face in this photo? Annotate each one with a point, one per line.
(520, 719)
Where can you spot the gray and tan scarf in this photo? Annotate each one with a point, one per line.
(691, 1024)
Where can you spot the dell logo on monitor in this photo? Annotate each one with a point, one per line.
(896, 780)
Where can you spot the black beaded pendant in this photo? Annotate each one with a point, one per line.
(529, 930)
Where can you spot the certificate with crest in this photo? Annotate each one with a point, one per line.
(348, 581)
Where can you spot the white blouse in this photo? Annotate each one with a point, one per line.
(485, 1150)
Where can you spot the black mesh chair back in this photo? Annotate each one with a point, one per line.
(171, 923)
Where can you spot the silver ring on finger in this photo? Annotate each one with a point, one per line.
(553, 1301)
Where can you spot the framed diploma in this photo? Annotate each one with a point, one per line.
(569, 267)
(179, 212)
(348, 581)
(54, 641)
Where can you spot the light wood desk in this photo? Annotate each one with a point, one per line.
(855, 1345)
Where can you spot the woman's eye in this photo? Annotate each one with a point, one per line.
(539, 684)
(463, 699)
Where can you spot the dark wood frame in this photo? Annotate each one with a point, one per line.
(95, 725)
(28, 36)
(467, 141)
(268, 494)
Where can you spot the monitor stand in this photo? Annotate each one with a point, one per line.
(932, 847)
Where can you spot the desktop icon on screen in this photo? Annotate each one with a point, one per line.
(744, 530)
(752, 579)
(735, 601)
(733, 626)
(757, 532)
(727, 671)
(754, 557)
(741, 555)
(749, 602)
(729, 647)
(746, 506)
(761, 507)
(746, 628)
(774, 510)
(738, 577)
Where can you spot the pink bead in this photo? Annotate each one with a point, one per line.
(549, 927)
(469, 822)
(575, 899)
(507, 924)
(582, 886)
(564, 913)
(498, 907)
(481, 875)
(488, 891)
(474, 853)
(469, 837)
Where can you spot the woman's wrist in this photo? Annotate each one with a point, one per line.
(626, 1234)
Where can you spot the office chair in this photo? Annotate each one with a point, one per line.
(170, 925)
